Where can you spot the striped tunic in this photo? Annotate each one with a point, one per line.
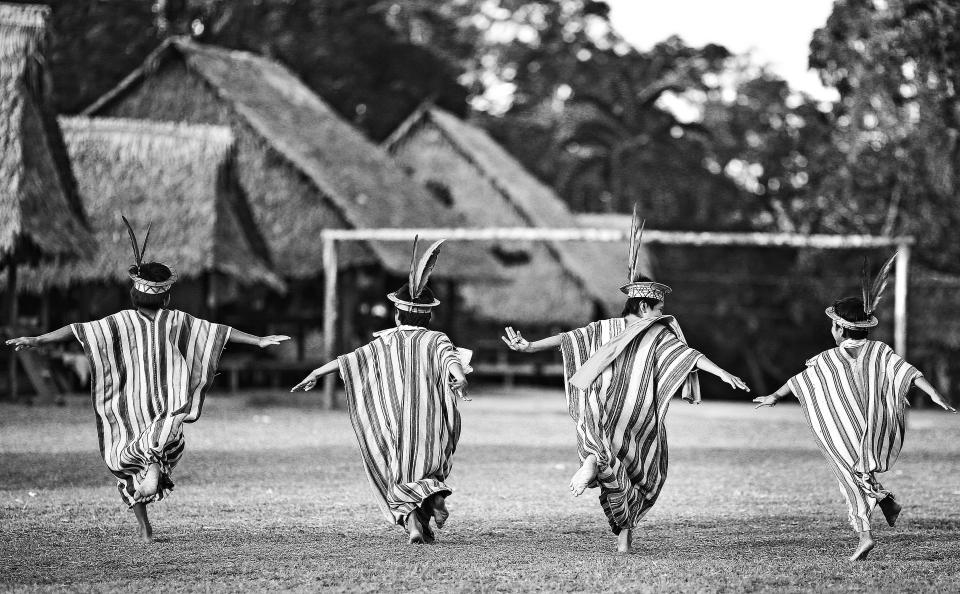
(620, 417)
(855, 408)
(148, 377)
(404, 414)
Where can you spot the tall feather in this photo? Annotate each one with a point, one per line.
(427, 262)
(412, 278)
(865, 285)
(636, 236)
(880, 284)
(133, 241)
(143, 250)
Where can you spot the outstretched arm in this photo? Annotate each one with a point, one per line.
(710, 367)
(521, 345)
(922, 383)
(308, 383)
(240, 337)
(772, 399)
(29, 342)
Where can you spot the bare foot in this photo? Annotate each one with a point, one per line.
(438, 505)
(415, 528)
(866, 545)
(150, 483)
(582, 478)
(625, 541)
(428, 535)
(891, 509)
(144, 530)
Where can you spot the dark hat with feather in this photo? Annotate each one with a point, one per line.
(636, 287)
(872, 293)
(414, 296)
(149, 278)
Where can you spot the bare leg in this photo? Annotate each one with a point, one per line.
(146, 530)
(438, 506)
(414, 528)
(583, 477)
(151, 482)
(625, 541)
(864, 548)
(891, 509)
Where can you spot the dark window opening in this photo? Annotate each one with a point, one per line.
(509, 257)
(440, 191)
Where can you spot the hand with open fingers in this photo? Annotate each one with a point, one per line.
(459, 386)
(735, 382)
(24, 342)
(271, 340)
(307, 384)
(945, 405)
(762, 401)
(515, 341)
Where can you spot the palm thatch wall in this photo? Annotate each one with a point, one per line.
(302, 166)
(495, 189)
(540, 290)
(40, 210)
(178, 178)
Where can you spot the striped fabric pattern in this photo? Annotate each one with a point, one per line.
(855, 408)
(404, 414)
(148, 377)
(620, 418)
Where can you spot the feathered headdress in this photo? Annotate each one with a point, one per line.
(139, 252)
(871, 292)
(407, 297)
(636, 287)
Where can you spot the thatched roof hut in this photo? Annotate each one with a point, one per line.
(179, 178)
(557, 281)
(40, 210)
(302, 166)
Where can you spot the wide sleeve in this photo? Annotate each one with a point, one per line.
(676, 365)
(446, 355)
(201, 344)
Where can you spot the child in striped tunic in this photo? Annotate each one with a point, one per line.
(620, 375)
(150, 369)
(853, 398)
(401, 391)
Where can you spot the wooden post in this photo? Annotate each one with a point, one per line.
(329, 315)
(12, 387)
(900, 300)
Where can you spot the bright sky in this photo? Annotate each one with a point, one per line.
(776, 32)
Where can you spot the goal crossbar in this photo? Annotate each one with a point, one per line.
(331, 237)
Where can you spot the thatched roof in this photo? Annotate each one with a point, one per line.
(366, 187)
(594, 266)
(179, 178)
(40, 211)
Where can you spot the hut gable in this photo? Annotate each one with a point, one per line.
(310, 169)
(511, 196)
(42, 212)
(178, 178)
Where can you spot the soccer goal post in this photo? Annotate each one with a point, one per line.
(331, 237)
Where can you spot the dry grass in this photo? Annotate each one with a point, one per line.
(270, 497)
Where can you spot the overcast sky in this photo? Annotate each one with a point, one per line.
(777, 32)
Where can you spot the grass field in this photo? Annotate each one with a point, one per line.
(270, 496)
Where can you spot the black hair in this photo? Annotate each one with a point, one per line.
(632, 305)
(153, 272)
(409, 318)
(147, 300)
(851, 309)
